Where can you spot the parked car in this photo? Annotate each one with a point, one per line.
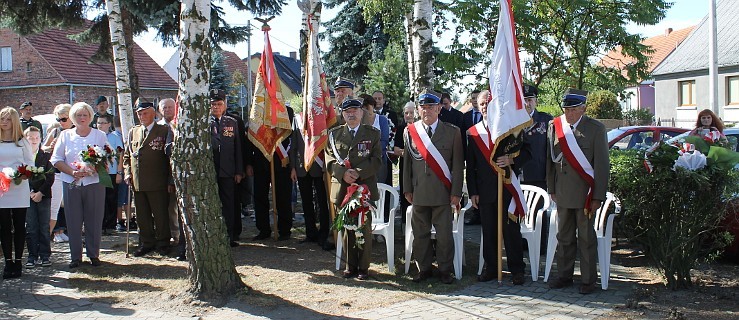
(633, 137)
(731, 133)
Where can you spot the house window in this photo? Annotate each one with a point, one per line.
(687, 93)
(6, 59)
(732, 88)
(28, 66)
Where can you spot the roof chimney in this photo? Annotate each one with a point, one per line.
(293, 55)
(668, 31)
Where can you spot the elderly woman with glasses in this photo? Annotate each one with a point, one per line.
(63, 123)
(84, 195)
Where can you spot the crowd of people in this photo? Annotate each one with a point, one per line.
(432, 143)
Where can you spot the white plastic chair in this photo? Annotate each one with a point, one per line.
(379, 226)
(530, 227)
(457, 234)
(603, 230)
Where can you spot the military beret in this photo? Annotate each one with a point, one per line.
(26, 104)
(574, 98)
(100, 99)
(217, 95)
(530, 91)
(428, 98)
(344, 83)
(351, 103)
(143, 106)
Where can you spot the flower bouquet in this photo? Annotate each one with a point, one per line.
(353, 213)
(95, 159)
(15, 175)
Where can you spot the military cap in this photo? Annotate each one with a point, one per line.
(100, 99)
(351, 103)
(344, 83)
(574, 98)
(530, 91)
(217, 95)
(428, 98)
(26, 104)
(143, 106)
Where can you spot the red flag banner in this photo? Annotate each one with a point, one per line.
(269, 122)
(319, 114)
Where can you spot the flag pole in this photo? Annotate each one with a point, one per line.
(500, 228)
(331, 207)
(274, 198)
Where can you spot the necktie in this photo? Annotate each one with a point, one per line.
(477, 116)
(353, 132)
(146, 132)
(428, 130)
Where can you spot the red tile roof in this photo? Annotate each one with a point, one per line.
(71, 61)
(662, 45)
(234, 63)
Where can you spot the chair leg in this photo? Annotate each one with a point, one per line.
(551, 248)
(408, 250)
(390, 248)
(339, 247)
(534, 252)
(604, 263)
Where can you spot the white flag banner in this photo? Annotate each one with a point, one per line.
(506, 112)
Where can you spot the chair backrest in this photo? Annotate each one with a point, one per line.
(534, 195)
(601, 216)
(378, 216)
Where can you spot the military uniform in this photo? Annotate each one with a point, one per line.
(146, 163)
(226, 144)
(431, 198)
(571, 193)
(364, 154)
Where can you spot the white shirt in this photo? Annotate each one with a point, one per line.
(12, 156)
(433, 126)
(68, 148)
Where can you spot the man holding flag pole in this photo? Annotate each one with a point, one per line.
(506, 116)
(269, 130)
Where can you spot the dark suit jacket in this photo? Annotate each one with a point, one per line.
(563, 181)
(390, 114)
(146, 160)
(226, 143)
(533, 158)
(365, 155)
(419, 179)
(259, 161)
(467, 122)
(482, 180)
(452, 116)
(43, 185)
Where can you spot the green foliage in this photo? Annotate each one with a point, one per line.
(353, 41)
(638, 117)
(555, 110)
(390, 75)
(220, 78)
(603, 104)
(296, 102)
(674, 214)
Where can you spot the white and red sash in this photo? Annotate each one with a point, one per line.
(572, 152)
(480, 135)
(282, 153)
(430, 154)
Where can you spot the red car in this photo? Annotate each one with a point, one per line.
(633, 137)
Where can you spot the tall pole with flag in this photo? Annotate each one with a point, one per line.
(506, 116)
(269, 123)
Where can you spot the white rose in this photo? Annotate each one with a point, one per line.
(9, 172)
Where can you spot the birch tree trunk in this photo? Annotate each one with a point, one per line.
(122, 74)
(213, 276)
(421, 55)
(422, 58)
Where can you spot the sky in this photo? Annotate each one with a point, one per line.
(285, 28)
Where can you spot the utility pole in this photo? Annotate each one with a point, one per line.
(713, 60)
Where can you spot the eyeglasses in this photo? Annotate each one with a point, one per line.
(62, 119)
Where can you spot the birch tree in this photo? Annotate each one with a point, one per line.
(120, 60)
(212, 273)
(420, 46)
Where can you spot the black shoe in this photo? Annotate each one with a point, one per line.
(141, 251)
(422, 276)
(233, 244)
(587, 288)
(349, 274)
(181, 257)
(283, 237)
(95, 262)
(363, 275)
(518, 279)
(485, 277)
(328, 246)
(163, 250)
(261, 236)
(133, 226)
(308, 239)
(560, 283)
(74, 264)
(8, 270)
(446, 278)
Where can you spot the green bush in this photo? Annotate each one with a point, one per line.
(673, 214)
(603, 104)
(555, 111)
(638, 117)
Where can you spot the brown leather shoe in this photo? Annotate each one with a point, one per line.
(422, 275)
(560, 283)
(518, 279)
(485, 277)
(446, 278)
(349, 273)
(587, 288)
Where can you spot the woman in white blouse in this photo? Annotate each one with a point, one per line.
(84, 196)
(14, 151)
